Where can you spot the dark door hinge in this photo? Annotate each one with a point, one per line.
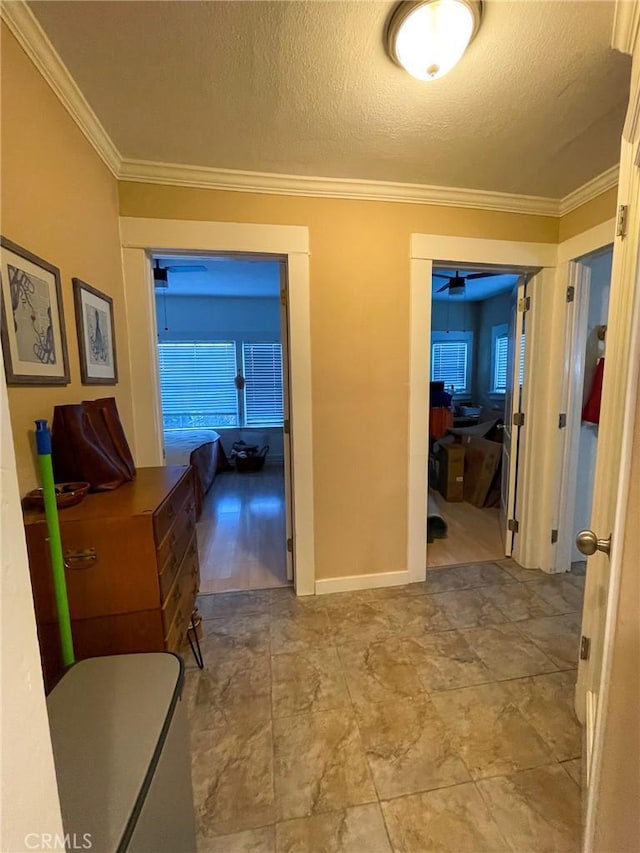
(287, 426)
(621, 223)
(513, 525)
(585, 647)
(562, 420)
(524, 304)
(518, 419)
(290, 546)
(283, 296)
(571, 293)
(554, 536)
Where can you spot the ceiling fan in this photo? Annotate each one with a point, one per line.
(456, 283)
(161, 274)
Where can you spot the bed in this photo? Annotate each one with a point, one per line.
(201, 449)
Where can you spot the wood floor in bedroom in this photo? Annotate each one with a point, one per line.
(473, 536)
(242, 532)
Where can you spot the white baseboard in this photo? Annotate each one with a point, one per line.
(353, 582)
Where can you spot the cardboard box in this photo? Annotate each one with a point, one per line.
(451, 471)
(482, 458)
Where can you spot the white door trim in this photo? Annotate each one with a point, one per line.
(424, 250)
(599, 745)
(139, 238)
(419, 373)
(571, 271)
(578, 276)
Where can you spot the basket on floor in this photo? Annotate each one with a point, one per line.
(250, 460)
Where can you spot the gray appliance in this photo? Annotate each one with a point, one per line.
(121, 751)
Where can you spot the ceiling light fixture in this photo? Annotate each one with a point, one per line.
(429, 37)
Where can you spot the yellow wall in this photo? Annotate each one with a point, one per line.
(360, 344)
(60, 202)
(592, 213)
(359, 270)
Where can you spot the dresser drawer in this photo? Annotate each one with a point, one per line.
(110, 567)
(177, 539)
(177, 634)
(185, 587)
(168, 511)
(175, 563)
(177, 629)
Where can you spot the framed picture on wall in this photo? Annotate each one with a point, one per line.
(34, 344)
(96, 338)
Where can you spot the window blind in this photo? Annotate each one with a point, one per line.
(500, 358)
(197, 384)
(262, 370)
(449, 364)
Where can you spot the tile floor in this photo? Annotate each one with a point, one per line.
(432, 717)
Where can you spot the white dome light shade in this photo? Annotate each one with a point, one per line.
(429, 38)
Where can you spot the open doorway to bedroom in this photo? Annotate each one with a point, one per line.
(223, 369)
(477, 362)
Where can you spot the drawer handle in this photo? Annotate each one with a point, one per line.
(80, 559)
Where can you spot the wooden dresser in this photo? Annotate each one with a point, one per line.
(132, 569)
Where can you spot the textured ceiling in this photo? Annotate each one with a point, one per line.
(536, 105)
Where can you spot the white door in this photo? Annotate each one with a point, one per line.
(614, 442)
(286, 438)
(512, 415)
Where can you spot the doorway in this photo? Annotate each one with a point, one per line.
(586, 342)
(477, 358)
(223, 368)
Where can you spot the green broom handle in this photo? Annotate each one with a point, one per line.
(43, 443)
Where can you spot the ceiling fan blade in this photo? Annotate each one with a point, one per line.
(187, 268)
(483, 275)
(440, 275)
(444, 287)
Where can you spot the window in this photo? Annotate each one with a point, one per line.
(263, 384)
(451, 360)
(500, 358)
(197, 384)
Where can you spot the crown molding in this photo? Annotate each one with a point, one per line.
(32, 38)
(34, 41)
(172, 174)
(626, 26)
(592, 189)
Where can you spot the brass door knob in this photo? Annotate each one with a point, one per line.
(588, 543)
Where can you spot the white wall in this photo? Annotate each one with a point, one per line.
(196, 318)
(600, 268)
(202, 318)
(28, 783)
(452, 315)
(492, 312)
(476, 317)
(457, 316)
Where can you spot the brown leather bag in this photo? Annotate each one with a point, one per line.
(88, 444)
